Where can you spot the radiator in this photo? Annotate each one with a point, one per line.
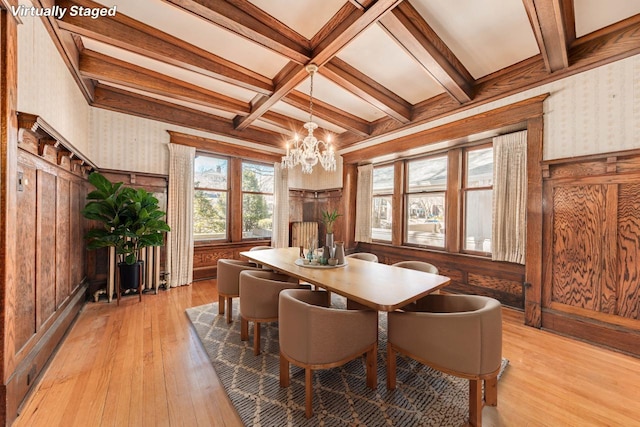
(151, 277)
(302, 231)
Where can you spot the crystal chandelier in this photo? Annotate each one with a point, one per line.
(306, 153)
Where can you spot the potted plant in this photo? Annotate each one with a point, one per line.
(329, 218)
(129, 220)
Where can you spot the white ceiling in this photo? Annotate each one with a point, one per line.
(485, 36)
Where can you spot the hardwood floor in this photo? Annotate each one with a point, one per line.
(141, 364)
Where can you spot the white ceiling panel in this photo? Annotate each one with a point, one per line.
(591, 15)
(486, 35)
(202, 34)
(306, 17)
(170, 70)
(396, 70)
(303, 115)
(327, 91)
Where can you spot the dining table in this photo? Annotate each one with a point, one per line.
(378, 286)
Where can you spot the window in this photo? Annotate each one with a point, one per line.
(210, 198)
(425, 201)
(382, 203)
(257, 200)
(478, 199)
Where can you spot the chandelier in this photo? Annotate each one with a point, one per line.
(306, 152)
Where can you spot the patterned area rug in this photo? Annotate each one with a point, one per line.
(423, 397)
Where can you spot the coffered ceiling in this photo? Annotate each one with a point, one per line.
(237, 67)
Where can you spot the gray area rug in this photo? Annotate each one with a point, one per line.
(423, 397)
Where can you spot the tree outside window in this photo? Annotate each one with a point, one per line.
(382, 203)
(210, 198)
(257, 200)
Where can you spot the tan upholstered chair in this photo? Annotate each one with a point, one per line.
(365, 256)
(457, 334)
(229, 283)
(420, 266)
(260, 248)
(259, 292)
(313, 336)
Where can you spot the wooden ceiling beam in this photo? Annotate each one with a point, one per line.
(328, 112)
(343, 74)
(134, 36)
(250, 22)
(548, 24)
(407, 27)
(149, 108)
(101, 67)
(610, 44)
(327, 48)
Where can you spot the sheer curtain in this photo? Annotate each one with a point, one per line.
(280, 231)
(364, 195)
(509, 197)
(180, 215)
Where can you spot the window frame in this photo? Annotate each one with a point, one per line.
(243, 192)
(466, 189)
(407, 193)
(227, 191)
(390, 194)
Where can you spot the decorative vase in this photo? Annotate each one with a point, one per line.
(340, 252)
(329, 240)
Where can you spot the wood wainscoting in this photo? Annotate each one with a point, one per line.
(469, 274)
(591, 241)
(206, 256)
(50, 280)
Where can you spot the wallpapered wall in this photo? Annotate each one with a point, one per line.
(46, 88)
(593, 112)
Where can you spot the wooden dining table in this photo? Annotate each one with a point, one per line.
(379, 286)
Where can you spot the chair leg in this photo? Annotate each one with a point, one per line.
(244, 329)
(308, 389)
(220, 305)
(229, 308)
(491, 391)
(256, 338)
(372, 367)
(475, 403)
(284, 371)
(391, 367)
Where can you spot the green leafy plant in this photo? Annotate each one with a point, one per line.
(129, 219)
(328, 218)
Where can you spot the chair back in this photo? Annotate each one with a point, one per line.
(229, 275)
(417, 265)
(365, 256)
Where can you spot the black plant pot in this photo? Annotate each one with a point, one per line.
(130, 275)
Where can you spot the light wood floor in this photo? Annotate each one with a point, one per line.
(141, 364)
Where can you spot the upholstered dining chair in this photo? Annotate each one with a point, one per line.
(229, 283)
(420, 266)
(365, 256)
(313, 336)
(259, 292)
(457, 334)
(260, 248)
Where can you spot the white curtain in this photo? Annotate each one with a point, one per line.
(180, 215)
(280, 231)
(364, 195)
(509, 197)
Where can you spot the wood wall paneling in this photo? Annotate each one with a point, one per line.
(628, 256)
(46, 247)
(26, 261)
(591, 229)
(63, 228)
